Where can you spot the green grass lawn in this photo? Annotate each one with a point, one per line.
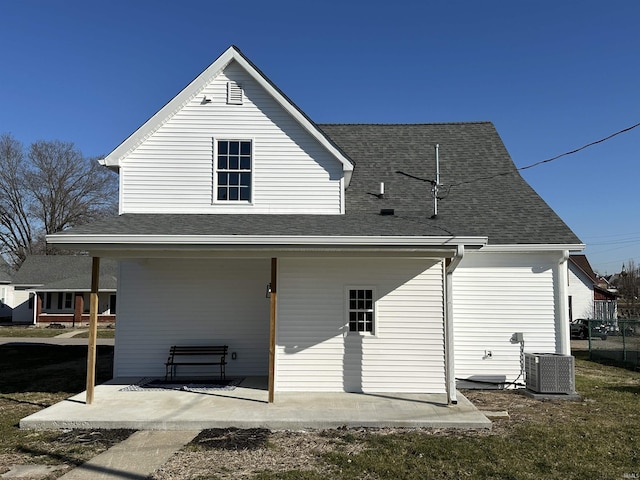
(42, 332)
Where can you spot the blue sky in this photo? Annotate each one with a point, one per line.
(552, 76)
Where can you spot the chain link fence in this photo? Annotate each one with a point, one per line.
(613, 340)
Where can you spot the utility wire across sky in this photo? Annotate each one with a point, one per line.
(548, 160)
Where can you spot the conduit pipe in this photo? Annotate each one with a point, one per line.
(449, 361)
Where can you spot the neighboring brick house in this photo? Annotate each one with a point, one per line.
(55, 289)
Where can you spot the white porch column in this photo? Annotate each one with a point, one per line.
(563, 339)
(450, 367)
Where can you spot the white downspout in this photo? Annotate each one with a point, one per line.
(450, 368)
(563, 339)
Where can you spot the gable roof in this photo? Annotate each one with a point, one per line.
(581, 262)
(232, 54)
(483, 196)
(64, 272)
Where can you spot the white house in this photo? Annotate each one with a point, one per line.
(6, 291)
(587, 299)
(315, 251)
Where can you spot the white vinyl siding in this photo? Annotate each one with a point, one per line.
(581, 291)
(164, 302)
(314, 351)
(171, 171)
(495, 296)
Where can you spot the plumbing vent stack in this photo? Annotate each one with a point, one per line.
(437, 185)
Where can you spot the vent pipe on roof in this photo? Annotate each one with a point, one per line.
(434, 190)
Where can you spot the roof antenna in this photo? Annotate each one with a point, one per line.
(436, 185)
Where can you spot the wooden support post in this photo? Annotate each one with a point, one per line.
(272, 328)
(93, 330)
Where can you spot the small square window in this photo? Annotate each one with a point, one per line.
(361, 313)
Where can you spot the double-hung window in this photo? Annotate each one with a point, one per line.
(233, 170)
(360, 310)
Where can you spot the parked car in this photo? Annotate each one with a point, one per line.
(580, 329)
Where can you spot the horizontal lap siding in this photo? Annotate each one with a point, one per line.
(172, 170)
(192, 302)
(580, 293)
(405, 355)
(493, 298)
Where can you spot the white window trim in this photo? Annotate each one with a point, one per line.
(374, 298)
(214, 192)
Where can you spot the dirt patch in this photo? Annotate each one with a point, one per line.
(241, 454)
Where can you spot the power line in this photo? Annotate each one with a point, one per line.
(581, 148)
(548, 160)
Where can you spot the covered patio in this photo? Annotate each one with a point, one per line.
(247, 405)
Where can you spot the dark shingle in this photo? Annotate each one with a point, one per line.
(64, 272)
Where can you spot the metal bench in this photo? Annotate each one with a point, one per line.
(196, 355)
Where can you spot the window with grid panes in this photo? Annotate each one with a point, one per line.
(360, 310)
(233, 170)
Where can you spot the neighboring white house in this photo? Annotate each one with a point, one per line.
(6, 291)
(230, 192)
(586, 298)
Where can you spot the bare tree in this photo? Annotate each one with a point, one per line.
(52, 188)
(16, 228)
(629, 290)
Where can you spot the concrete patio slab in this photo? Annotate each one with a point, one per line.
(246, 406)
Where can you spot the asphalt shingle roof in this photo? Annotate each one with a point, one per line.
(64, 272)
(483, 194)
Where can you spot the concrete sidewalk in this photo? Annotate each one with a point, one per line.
(134, 458)
(71, 334)
(59, 340)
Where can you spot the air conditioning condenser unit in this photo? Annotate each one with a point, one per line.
(549, 373)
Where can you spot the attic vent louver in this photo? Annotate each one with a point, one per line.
(234, 93)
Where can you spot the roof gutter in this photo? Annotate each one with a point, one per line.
(62, 240)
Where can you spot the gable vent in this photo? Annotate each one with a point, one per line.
(234, 93)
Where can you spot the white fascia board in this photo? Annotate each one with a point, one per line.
(347, 166)
(114, 159)
(260, 240)
(542, 247)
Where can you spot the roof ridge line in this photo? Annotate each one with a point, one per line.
(476, 122)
